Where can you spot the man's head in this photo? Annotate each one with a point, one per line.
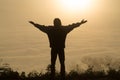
(57, 22)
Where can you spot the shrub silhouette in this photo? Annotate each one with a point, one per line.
(75, 74)
(89, 74)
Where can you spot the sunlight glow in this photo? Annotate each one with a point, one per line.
(76, 4)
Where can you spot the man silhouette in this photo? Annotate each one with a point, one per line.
(57, 36)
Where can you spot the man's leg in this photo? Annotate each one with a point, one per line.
(53, 60)
(62, 60)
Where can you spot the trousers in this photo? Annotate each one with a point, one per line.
(60, 53)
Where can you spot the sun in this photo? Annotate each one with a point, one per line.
(76, 4)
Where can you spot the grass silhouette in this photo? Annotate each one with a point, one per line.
(89, 74)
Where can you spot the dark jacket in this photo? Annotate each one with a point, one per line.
(57, 35)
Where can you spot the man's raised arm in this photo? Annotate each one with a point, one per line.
(41, 27)
(74, 25)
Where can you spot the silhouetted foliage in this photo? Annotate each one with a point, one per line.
(110, 73)
(89, 74)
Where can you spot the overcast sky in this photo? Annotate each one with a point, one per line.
(23, 46)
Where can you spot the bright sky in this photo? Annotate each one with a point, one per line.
(17, 12)
(103, 25)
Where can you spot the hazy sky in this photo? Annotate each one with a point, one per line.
(26, 48)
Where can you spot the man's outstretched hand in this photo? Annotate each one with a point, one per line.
(31, 22)
(83, 21)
